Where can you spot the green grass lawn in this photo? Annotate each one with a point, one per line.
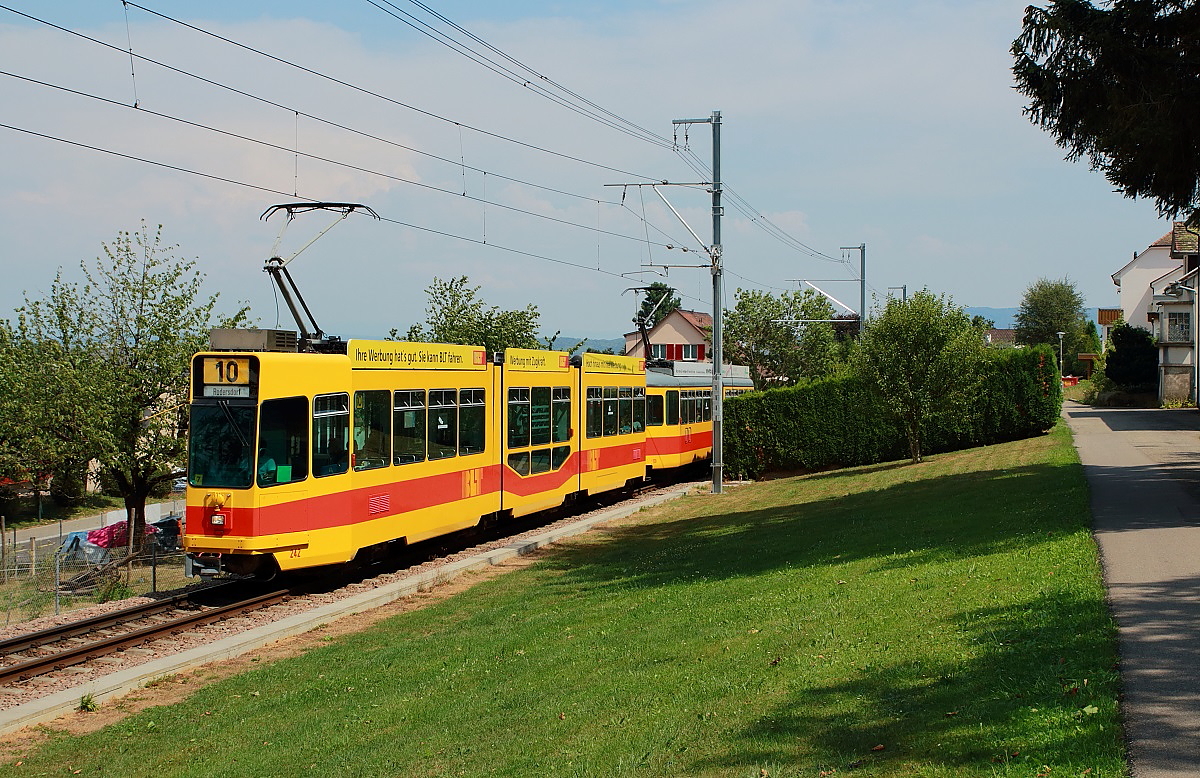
(943, 619)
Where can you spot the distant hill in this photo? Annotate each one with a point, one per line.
(599, 344)
(1002, 316)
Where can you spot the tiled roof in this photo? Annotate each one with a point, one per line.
(1165, 242)
(1002, 336)
(701, 321)
(1184, 240)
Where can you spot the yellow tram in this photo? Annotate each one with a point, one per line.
(304, 450)
(304, 459)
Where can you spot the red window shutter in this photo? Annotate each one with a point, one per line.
(700, 353)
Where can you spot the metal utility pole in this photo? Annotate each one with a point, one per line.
(714, 254)
(862, 283)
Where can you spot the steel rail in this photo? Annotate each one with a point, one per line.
(103, 621)
(73, 656)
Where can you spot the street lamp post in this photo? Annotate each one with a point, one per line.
(1060, 354)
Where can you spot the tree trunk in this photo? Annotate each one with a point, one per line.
(913, 428)
(134, 492)
(135, 517)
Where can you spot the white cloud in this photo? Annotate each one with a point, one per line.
(893, 124)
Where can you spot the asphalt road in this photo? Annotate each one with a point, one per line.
(1143, 467)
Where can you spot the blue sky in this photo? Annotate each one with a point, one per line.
(884, 123)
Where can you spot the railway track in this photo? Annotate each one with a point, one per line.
(27, 656)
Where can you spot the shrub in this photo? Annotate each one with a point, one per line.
(840, 422)
(1133, 362)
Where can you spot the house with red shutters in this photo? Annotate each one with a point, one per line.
(684, 336)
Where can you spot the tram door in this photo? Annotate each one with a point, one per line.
(539, 462)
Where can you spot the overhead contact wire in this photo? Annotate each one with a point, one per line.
(650, 134)
(269, 190)
(328, 122)
(317, 157)
(385, 98)
(588, 109)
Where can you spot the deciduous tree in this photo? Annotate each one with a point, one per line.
(118, 348)
(919, 355)
(51, 403)
(783, 339)
(1048, 308)
(456, 314)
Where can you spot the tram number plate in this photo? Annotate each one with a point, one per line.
(227, 372)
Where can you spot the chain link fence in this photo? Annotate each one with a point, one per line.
(46, 576)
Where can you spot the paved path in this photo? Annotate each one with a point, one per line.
(1143, 467)
(45, 532)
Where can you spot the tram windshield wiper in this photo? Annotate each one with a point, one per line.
(224, 406)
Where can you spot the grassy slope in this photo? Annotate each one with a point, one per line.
(950, 612)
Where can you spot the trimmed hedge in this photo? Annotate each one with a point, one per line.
(842, 422)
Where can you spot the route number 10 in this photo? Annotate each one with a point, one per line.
(227, 371)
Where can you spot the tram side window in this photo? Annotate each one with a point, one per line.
(408, 424)
(654, 410)
(331, 434)
(518, 417)
(707, 402)
(639, 409)
(372, 429)
(562, 415)
(625, 410)
(283, 441)
(443, 423)
(539, 461)
(519, 461)
(595, 412)
(672, 406)
(539, 418)
(611, 423)
(472, 421)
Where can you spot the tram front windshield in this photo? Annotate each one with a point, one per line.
(221, 445)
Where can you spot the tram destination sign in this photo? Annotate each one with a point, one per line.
(226, 377)
(226, 391)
